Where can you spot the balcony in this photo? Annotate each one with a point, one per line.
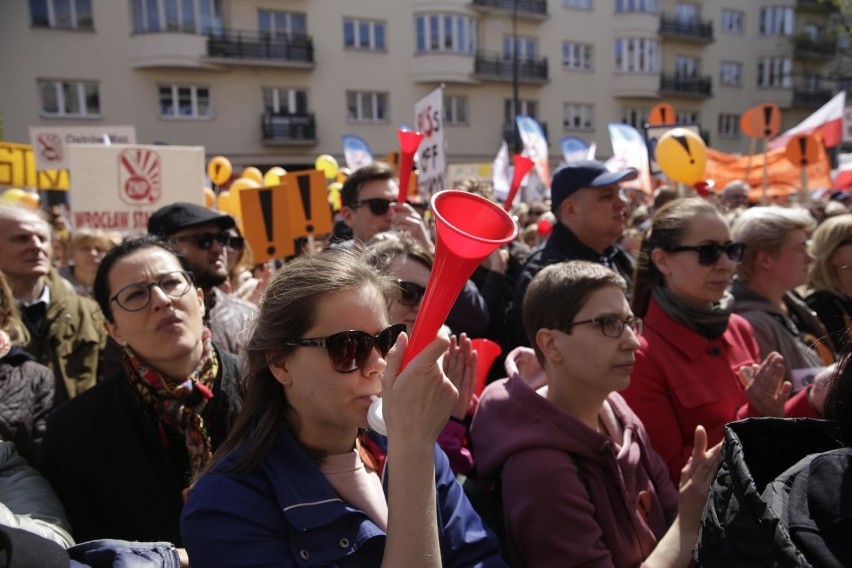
(530, 9)
(286, 129)
(692, 30)
(814, 6)
(685, 86)
(260, 48)
(509, 134)
(497, 67)
(812, 91)
(806, 47)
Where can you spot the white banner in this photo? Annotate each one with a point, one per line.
(535, 145)
(50, 142)
(118, 187)
(432, 155)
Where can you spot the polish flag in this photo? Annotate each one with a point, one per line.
(844, 172)
(828, 121)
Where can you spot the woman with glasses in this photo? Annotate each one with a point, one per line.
(698, 363)
(830, 282)
(300, 481)
(122, 457)
(581, 484)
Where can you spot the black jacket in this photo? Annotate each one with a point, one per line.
(104, 455)
(26, 397)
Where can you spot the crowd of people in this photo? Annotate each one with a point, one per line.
(166, 401)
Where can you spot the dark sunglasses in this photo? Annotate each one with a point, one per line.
(709, 254)
(378, 205)
(410, 293)
(205, 240)
(349, 350)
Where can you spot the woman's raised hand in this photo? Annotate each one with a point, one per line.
(696, 477)
(765, 387)
(460, 367)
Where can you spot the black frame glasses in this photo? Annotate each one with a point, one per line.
(378, 205)
(612, 325)
(410, 293)
(137, 296)
(205, 240)
(709, 254)
(349, 350)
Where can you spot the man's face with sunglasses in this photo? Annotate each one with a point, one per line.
(203, 246)
(372, 213)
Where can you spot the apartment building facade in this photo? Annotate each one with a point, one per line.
(278, 82)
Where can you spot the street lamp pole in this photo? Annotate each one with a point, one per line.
(515, 102)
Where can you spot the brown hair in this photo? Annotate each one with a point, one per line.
(352, 186)
(10, 320)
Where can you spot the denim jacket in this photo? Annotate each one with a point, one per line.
(285, 513)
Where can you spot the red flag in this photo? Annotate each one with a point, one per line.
(828, 121)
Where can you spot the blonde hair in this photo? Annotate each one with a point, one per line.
(828, 237)
(766, 229)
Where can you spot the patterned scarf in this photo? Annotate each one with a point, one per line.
(178, 404)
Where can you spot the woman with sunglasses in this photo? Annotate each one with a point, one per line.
(410, 265)
(122, 455)
(698, 363)
(299, 480)
(830, 281)
(571, 455)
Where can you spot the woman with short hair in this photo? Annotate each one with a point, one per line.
(830, 282)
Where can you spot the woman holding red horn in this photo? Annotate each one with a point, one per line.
(299, 481)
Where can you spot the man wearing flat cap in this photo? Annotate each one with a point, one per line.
(591, 214)
(200, 235)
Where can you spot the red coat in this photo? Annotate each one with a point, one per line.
(681, 380)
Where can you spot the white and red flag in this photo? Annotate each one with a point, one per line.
(827, 120)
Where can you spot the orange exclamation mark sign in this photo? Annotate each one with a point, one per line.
(767, 121)
(803, 145)
(265, 196)
(305, 193)
(683, 142)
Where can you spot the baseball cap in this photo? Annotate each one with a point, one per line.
(168, 220)
(584, 173)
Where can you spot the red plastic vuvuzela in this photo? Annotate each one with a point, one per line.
(409, 141)
(522, 167)
(468, 228)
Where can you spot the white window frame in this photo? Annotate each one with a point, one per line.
(776, 21)
(141, 17)
(528, 107)
(445, 33)
(357, 34)
(577, 4)
(287, 29)
(367, 105)
(456, 109)
(285, 100)
(578, 56)
(645, 6)
(729, 126)
(637, 55)
(732, 21)
(62, 111)
(731, 74)
(578, 117)
(687, 13)
(527, 48)
(687, 117)
(74, 24)
(775, 73)
(687, 67)
(194, 102)
(637, 117)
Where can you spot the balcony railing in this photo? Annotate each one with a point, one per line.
(497, 66)
(513, 139)
(696, 86)
(524, 7)
(804, 46)
(241, 44)
(289, 128)
(691, 29)
(814, 6)
(812, 91)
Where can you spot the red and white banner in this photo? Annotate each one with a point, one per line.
(844, 172)
(828, 121)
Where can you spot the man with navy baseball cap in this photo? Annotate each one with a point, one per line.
(591, 214)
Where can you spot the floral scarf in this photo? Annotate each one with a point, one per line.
(179, 404)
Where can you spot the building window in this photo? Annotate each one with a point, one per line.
(363, 34)
(445, 32)
(637, 55)
(686, 67)
(527, 107)
(732, 21)
(579, 4)
(184, 101)
(578, 56)
(776, 21)
(687, 13)
(282, 24)
(576, 116)
(281, 100)
(775, 72)
(732, 73)
(636, 6)
(366, 106)
(187, 16)
(635, 117)
(77, 99)
(686, 117)
(729, 126)
(527, 48)
(62, 14)
(455, 109)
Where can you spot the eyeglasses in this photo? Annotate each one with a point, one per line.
(135, 297)
(709, 254)
(205, 240)
(612, 326)
(378, 205)
(411, 293)
(349, 350)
